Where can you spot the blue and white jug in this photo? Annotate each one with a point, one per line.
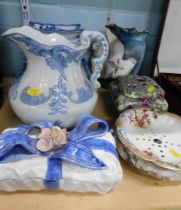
(134, 45)
(56, 84)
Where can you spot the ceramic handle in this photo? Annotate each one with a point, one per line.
(97, 62)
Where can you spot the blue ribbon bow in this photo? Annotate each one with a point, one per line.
(17, 145)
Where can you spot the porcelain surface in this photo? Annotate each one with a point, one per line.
(57, 83)
(87, 162)
(71, 31)
(134, 43)
(135, 91)
(136, 86)
(147, 167)
(115, 64)
(152, 136)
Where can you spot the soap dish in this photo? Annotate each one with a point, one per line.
(150, 141)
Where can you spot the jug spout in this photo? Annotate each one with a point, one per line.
(27, 31)
(47, 39)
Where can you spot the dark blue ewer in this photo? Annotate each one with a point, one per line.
(134, 43)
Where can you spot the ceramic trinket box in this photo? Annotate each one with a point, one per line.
(44, 156)
(135, 91)
(150, 141)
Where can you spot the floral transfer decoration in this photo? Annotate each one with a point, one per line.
(148, 153)
(122, 102)
(145, 101)
(51, 139)
(142, 119)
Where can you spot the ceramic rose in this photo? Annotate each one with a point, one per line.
(51, 139)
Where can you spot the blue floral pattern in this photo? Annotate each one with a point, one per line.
(32, 100)
(52, 28)
(83, 93)
(60, 58)
(57, 58)
(13, 92)
(60, 94)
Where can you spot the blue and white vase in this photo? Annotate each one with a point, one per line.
(134, 44)
(56, 84)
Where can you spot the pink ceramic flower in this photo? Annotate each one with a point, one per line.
(51, 139)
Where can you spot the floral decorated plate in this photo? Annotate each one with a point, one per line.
(147, 167)
(151, 136)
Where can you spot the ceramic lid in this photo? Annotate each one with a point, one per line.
(152, 135)
(135, 86)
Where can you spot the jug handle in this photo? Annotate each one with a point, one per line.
(97, 62)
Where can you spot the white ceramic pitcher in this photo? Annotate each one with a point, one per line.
(55, 84)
